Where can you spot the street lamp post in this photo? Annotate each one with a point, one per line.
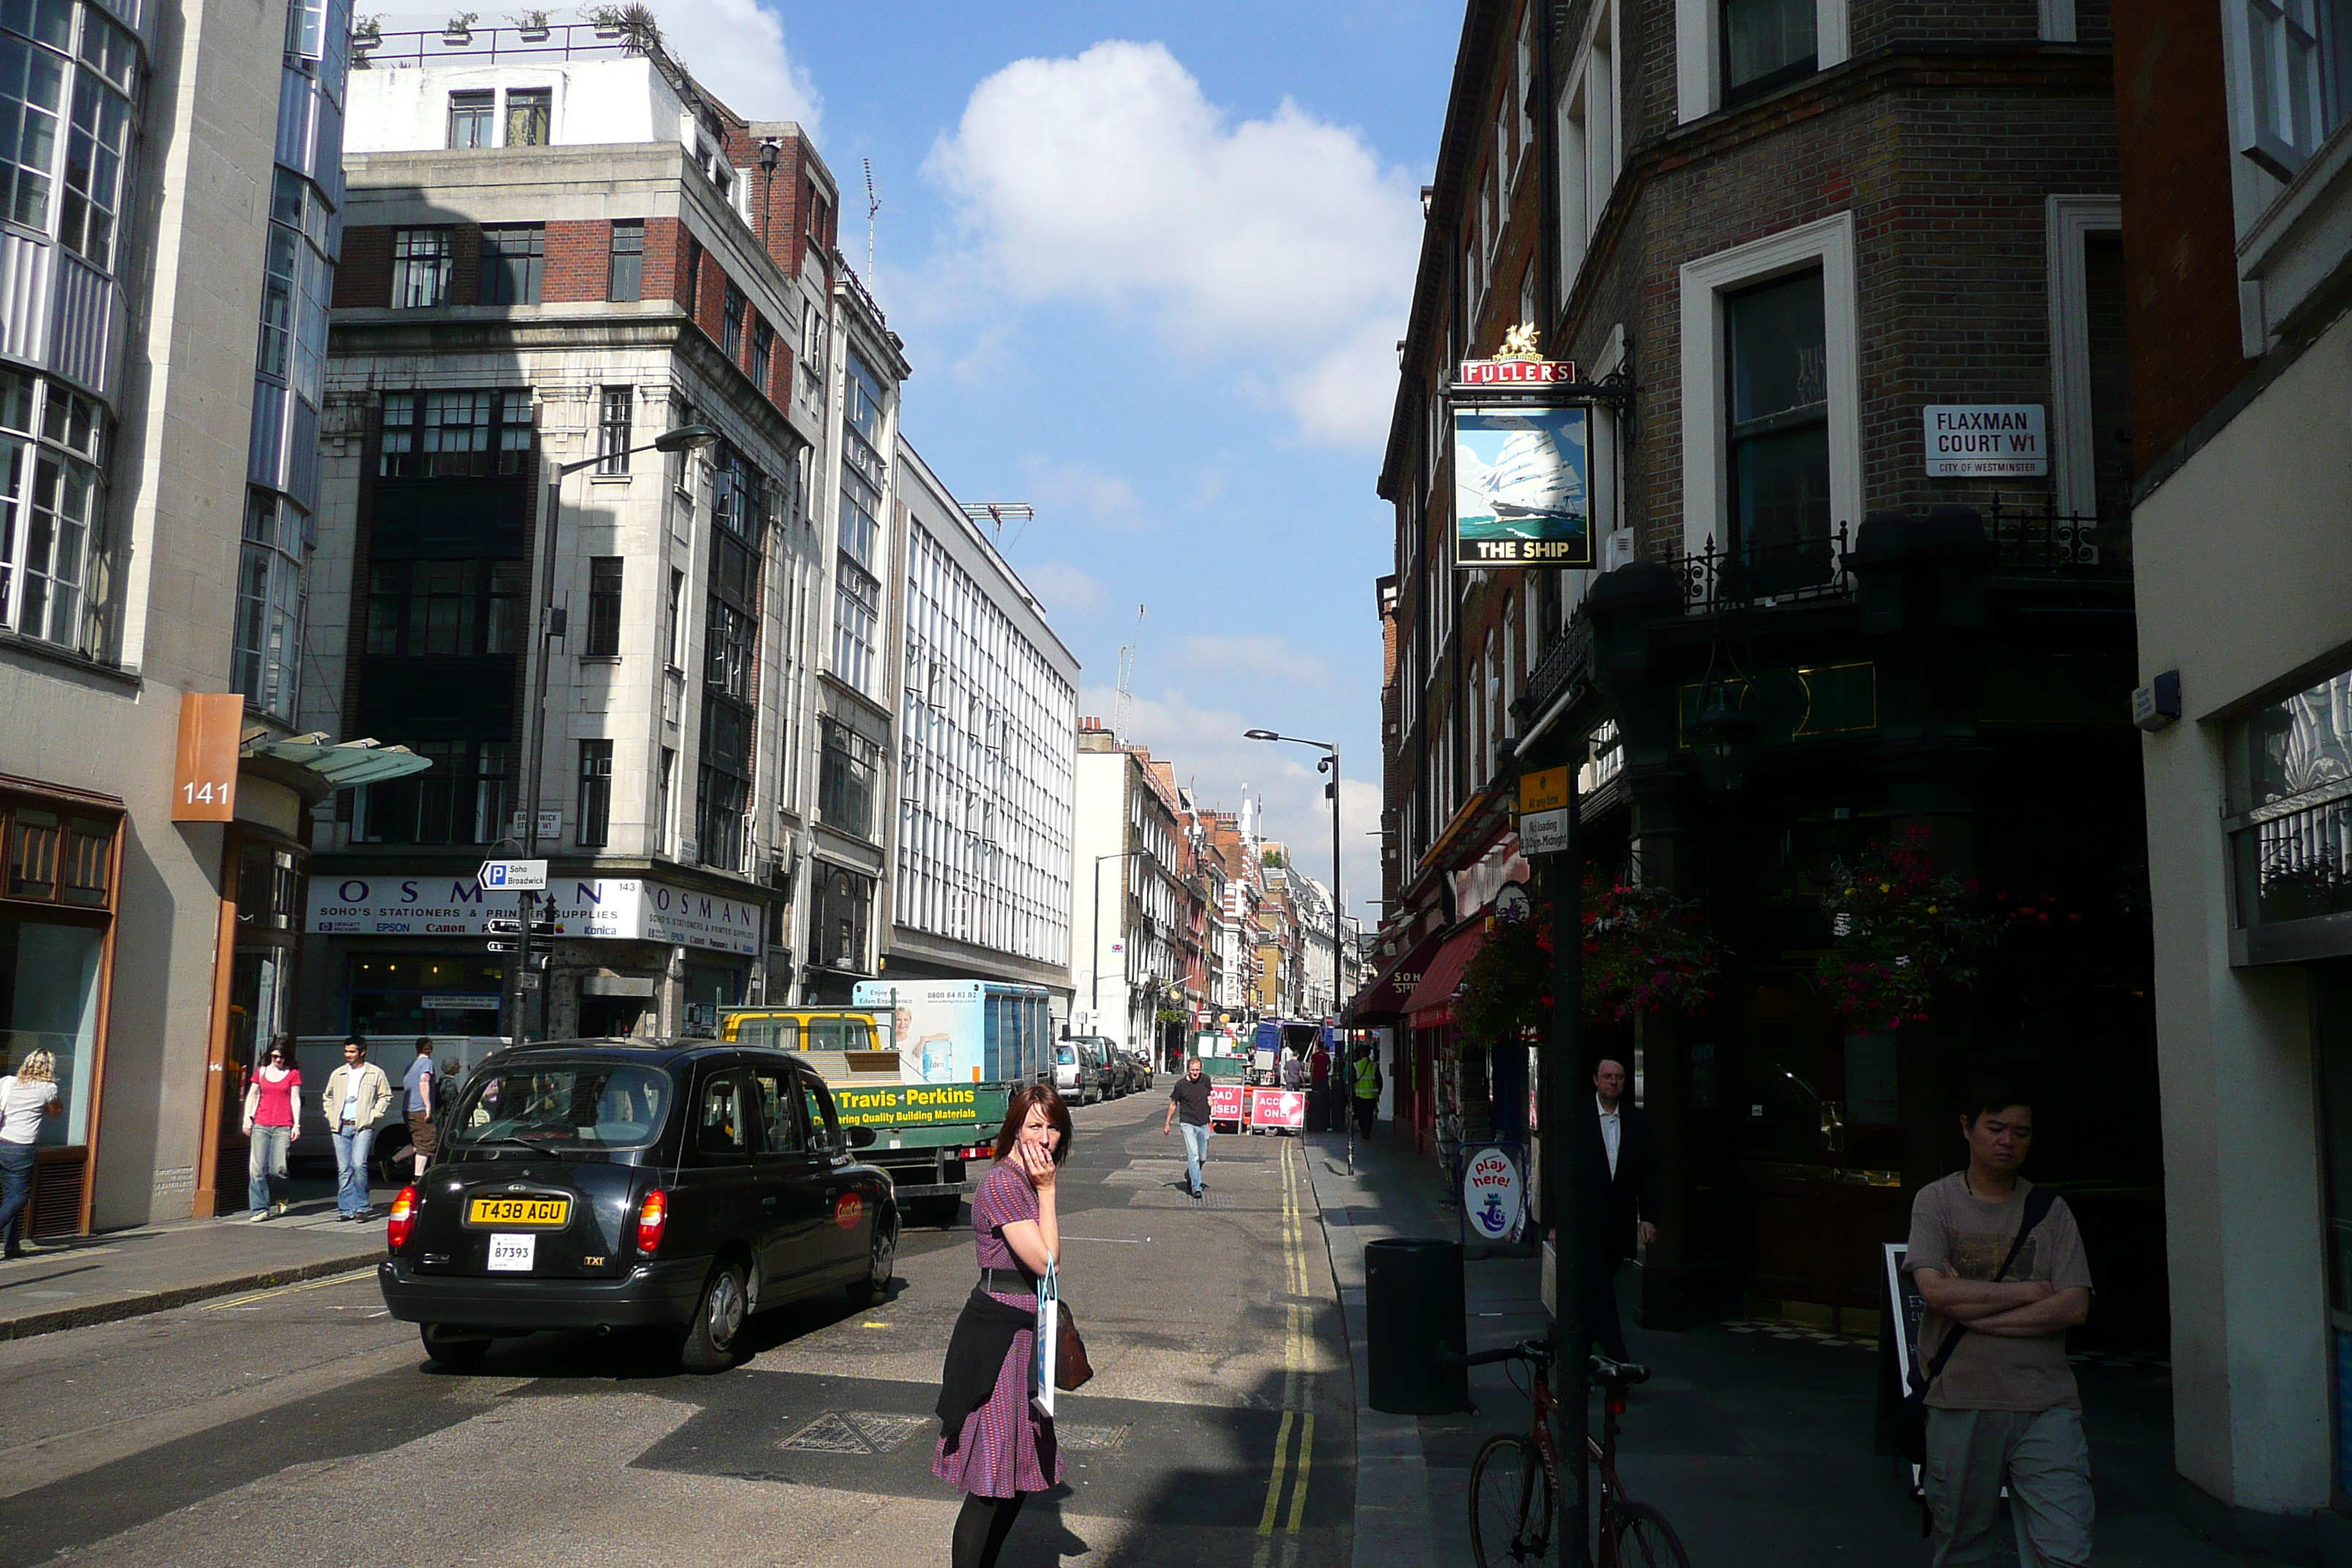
(551, 625)
(1094, 962)
(1330, 763)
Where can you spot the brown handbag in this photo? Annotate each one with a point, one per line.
(1071, 1370)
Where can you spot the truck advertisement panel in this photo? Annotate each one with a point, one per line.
(917, 1105)
(963, 1031)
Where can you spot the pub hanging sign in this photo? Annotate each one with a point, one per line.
(1522, 460)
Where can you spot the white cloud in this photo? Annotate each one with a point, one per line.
(1110, 178)
(1095, 495)
(736, 49)
(1062, 586)
(1211, 758)
(1257, 655)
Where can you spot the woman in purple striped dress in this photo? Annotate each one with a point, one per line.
(995, 1445)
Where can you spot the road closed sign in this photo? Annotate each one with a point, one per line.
(1493, 1195)
(1995, 441)
(1224, 1102)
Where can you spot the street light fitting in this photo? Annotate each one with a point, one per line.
(1260, 735)
(685, 438)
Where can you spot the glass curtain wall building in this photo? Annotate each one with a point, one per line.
(289, 360)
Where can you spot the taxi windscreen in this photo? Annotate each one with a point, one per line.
(561, 1105)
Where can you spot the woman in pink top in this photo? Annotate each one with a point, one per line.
(273, 1104)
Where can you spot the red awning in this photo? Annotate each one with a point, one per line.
(1431, 1002)
(1382, 1002)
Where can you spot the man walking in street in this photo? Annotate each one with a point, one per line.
(1191, 1101)
(1366, 1076)
(357, 1095)
(1318, 1090)
(1619, 1187)
(418, 1091)
(1999, 1265)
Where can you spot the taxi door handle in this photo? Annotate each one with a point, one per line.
(768, 1202)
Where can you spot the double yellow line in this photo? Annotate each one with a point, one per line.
(1297, 1409)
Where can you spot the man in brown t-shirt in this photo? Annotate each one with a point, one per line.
(2004, 1408)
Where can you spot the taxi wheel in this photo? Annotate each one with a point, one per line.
(717, 1319)
(881, 1258)
(454, 1353)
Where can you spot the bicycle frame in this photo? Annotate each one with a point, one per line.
(1601, 1451)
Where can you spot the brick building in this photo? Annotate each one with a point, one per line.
(560, 247)
(2237, 205)
(1780, 235)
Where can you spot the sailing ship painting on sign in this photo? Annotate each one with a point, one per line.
(1522, 487)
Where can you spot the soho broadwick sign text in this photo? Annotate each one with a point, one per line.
(622, 909)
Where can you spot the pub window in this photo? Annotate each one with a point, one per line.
(421, 259)
(613, 430)
(514, 261)
(527, 116)
(626, 279)
(1766, 44)
(595, 794)
(1775, 359)
(2289, 765)
(604, 604)
(470, 114)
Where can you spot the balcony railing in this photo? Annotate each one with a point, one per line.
(1566, 666)
(2038, 540)
(486, 46)
(1783, 572)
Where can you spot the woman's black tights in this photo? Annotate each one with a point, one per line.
(982, 1527)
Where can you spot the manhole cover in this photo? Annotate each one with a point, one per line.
(1096, 1437)
(1175, 1198)
(855, 1432)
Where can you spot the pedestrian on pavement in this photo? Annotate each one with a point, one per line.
(1319, 1089)
(420, 1102)
(1294, 1070)
(1191, 1101)
(1619, 1195)
(1367, 1081)
(995, 1444)
(1999, 1264)
(273, 1107)
(357, 1095)
(26, 1095)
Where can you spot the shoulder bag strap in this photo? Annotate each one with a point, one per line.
(2037, 1209)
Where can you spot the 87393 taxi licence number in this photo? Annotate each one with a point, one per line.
(531, 1213)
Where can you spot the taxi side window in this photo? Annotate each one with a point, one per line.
(724, 1128)
(773, 1089)
(817, 1106)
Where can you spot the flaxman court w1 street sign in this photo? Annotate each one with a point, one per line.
(1986, 440)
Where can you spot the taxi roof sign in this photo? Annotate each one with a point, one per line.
(1544, 790)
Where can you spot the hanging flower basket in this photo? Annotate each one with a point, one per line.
(1902, 929)
(1646, 950)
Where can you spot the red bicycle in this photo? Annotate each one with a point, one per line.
(1513, 1478)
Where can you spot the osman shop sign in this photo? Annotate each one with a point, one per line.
(622, 909)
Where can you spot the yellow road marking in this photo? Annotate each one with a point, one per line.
(1306, 1459)
(1274, 1486)
(289, 1289)
(1298, 1412)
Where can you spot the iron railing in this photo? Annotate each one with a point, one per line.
(486, 45)
(1566, 665)
(1782, 572)
(2039, 539)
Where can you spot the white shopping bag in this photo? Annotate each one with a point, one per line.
(1049, 1311)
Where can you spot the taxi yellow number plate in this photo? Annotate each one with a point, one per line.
(532, 1213)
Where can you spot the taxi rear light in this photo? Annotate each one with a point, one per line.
(402, 1219)
(652, 1217)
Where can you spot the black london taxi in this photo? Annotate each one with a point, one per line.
(603, 1185)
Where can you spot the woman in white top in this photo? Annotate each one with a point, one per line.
(25, 1096)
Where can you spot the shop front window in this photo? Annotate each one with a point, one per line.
(48, 1002)
(400, 995)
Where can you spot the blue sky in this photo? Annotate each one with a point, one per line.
(1150, 261)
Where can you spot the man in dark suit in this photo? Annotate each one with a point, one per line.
(1617, 1194)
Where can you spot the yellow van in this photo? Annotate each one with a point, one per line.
(846, 1045)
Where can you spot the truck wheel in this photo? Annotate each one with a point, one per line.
(452, 1348)
(709, 1344)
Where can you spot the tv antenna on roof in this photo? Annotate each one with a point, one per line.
(1127, 653)
(873, 206)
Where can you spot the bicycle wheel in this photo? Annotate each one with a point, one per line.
(1644, 1539)
(1510, 1504)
